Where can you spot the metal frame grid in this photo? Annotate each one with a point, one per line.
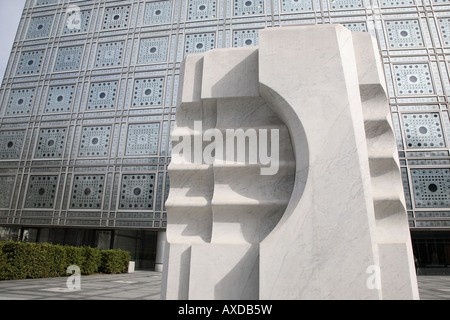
(149, 40)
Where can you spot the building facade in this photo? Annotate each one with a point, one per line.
(89, 98)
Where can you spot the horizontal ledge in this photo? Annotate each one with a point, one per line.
(394, 197)
(247, 202)
(179, 203)
(241, 165)
(189, 167)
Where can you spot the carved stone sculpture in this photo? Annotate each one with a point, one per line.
(284, 177)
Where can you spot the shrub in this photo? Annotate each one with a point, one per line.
(92, 260)
(19, 260)
(74, 256)
(14, 262)
(114, 261)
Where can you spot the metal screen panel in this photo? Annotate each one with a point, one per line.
(41, 192)
(30, 62)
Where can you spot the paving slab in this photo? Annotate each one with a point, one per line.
(146, 285)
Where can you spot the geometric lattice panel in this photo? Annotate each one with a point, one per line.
(109, 54)
(245, 38)
(11, 143)
(202, 9)
(20, 102)
(413, 79)
(386, 3)
(296, 5)
(423, 130)
(102, 95)
(148, 92)
(116, 17)
(87, 192)
(40, 27)
(45, 2)
(431, 187)
(142, 139)
(404, 34)
(201, 42)
(30, 62)
(137, 191)
(95, 141)
(346, 4)
(77, 22)
(157, 12)
(41, 192)
(248, 7)
(444, 26)
(50, 143)
(7, 183)
(356, 26)
(153, 50)
(60, 99)
(68, 58)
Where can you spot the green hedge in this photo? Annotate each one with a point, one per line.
(20, 260)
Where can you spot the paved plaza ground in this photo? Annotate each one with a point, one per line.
(145, 285)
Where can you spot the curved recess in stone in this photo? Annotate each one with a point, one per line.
(228, 201)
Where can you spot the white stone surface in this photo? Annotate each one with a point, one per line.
(330, 223)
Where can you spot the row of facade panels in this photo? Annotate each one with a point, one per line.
(154, 49)
(57, 140)
(133, 199)
(142, 13)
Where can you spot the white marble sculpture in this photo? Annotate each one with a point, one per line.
(284, 177)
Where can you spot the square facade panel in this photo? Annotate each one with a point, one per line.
(87, 192)
(148, 92)
(356, 26)
(201, 9)
(30, 62)
(50, 143)
(45, 2)
(296, 5)
(153, 50)
(102, 95)
(116, 17)
(142, 139)
(157, 12)
(345, 4)
(95, 141)
(248, 7)
(413, 79)
(7, 183)
(20, 102)
(137, 192)
(404, 34)
(431, 187)
(11, 143)
(39, 27)
(391, 3)
(444, 27)
(68, 58)
(41, 192)
(77, 22)
(201, 42)
(245, 38)
(60, 99)
(109, 54)
(423, 130)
